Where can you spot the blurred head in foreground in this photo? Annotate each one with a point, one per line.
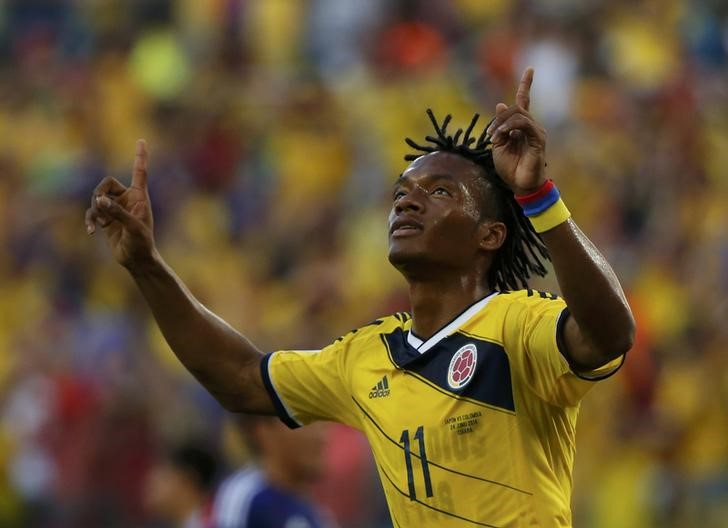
(291, 459)
(179, 487)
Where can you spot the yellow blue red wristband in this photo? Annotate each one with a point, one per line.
(539, 200)
(544, 207)
(555, 215)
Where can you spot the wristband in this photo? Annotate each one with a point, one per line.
(544, 207)
(551, 217)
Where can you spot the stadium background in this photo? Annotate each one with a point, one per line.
(275, 130)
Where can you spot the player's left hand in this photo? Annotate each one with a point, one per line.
(519, 142)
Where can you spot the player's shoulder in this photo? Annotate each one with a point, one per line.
(381, 325)
(526, 299)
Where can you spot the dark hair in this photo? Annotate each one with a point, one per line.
(197, 462)
(523, 251)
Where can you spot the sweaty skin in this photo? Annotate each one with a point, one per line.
(438, 242)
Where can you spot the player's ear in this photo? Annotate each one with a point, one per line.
(492, 235)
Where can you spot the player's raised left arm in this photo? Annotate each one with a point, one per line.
(601, 326)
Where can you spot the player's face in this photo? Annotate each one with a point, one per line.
(435, 216)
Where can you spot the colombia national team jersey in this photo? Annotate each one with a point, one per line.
(472, 427)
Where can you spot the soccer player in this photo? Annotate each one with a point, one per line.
(470, 401)
(272, 493)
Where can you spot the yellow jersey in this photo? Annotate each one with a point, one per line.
(474, 426)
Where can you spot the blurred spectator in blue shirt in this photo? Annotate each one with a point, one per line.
(272, 493)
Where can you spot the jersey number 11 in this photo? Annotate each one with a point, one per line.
(405, 441)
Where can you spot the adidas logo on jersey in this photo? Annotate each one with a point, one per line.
(380, 390)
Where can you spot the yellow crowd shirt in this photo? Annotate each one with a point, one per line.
(474, 426)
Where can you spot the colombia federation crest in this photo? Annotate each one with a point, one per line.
(462, 366)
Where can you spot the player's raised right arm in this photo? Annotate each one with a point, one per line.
(222, 359)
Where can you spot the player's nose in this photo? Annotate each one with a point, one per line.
(412, 201)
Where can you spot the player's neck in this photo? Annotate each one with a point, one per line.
(437, 302)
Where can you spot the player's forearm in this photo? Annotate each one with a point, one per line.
(593, 293)
(223, 360)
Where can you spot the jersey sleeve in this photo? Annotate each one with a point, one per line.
(533, 330)
(311, 385)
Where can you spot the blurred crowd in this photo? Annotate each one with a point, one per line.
(275, 131)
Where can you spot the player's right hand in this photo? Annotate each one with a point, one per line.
(125, 214)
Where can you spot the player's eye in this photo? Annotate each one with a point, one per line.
(441, 191)
(397, 195)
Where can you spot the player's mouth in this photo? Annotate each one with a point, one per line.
(404, 227)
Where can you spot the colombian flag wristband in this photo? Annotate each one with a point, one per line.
(544, 207)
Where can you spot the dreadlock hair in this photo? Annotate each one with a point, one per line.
(523, 250)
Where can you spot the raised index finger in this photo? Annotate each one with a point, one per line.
(139, 173)
(523, 94)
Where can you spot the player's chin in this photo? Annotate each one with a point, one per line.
(405, 252)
